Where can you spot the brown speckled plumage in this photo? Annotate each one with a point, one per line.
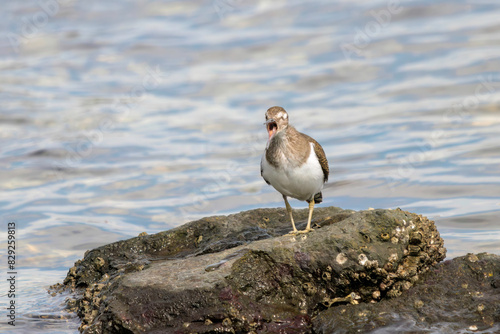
(288, 161)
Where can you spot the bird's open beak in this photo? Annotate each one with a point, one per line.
(272, 127)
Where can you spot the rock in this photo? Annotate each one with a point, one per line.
(240, 273)
(457, 296)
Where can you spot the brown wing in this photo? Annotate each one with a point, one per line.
(321, 157)
(322, 160)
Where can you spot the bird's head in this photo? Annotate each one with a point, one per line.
(276, 120)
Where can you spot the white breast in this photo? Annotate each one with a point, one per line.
(301, 182)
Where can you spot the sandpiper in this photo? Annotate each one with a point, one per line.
(293, 163)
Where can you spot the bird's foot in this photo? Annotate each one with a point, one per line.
(307, 230)
(295, 232)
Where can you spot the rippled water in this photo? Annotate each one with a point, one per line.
(126, 116)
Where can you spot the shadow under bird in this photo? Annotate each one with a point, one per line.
(293, 163)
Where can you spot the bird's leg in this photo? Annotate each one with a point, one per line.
(311, 208)
(308, 227)
(289, 209)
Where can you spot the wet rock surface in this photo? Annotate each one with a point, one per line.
(241, 273)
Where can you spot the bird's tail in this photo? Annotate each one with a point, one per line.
(318, 198)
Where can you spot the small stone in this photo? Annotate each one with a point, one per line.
(72, 271)
(414, 250)
(362, 259)
(71, 302)
(341, 258)
(478, 294)
(415, 238)
(99, 262)
(472, 258)
(418, 303)
(309, 288)
(87, 294)
(394, 293)
(233, 312)
(406, 285)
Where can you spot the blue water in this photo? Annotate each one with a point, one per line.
(120, 117)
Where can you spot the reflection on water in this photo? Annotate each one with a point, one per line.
(36, 311)
(125, 117)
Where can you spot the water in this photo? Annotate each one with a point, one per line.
(131, 116)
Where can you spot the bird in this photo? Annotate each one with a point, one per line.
(293, 163)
